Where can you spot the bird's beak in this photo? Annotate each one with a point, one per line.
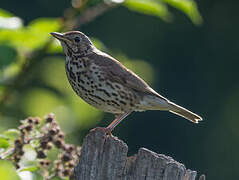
(60, 36)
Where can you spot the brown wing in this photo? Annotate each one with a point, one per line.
(116, 72)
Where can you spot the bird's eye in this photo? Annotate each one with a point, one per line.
(77, 39)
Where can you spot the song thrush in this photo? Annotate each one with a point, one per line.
(106, 84)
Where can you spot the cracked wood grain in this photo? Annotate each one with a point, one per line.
(105, 158)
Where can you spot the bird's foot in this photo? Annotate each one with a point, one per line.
(106, 130)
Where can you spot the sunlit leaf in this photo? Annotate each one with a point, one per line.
(32, 36)
(45, 25)
(4, 13)
(7, 55)
(116, 1)
(29, 168)
(10, 23)
(4, 142)
(57, 178)
(150, 7)
(36, 176)
(189, 7)
(8, 171)
(22, 38)
(27, 175)
(12, 133)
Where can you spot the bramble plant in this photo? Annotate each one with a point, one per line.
(30, 148)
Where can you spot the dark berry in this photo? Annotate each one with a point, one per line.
(49, 138)
(47, 163)
(66, 157)
(50, 118)
(30, 120)
(37, 120)
(53, 131)
(18, 143)
(28, 128)
(49, 146)
(58, 143)
(44, 144)
(41, 155)
(70, 148)
(65, 172)
(71, 165)
(16, 159)
(61, 136)
(21, 152)
(17, 166)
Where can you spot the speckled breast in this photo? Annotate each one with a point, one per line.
(90, 83)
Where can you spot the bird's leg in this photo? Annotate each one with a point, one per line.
(118, 119)
(107, 129)
(111, 126)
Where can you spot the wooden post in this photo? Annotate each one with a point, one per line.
(105, 158)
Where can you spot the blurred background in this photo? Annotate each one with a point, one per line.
(186, 50)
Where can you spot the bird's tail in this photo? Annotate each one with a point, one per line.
(178, 110)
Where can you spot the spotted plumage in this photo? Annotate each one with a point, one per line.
(106, 84)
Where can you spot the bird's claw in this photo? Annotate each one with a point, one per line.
(106, 130)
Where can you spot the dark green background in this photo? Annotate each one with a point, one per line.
(196, 67)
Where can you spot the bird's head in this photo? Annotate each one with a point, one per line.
(74, 42)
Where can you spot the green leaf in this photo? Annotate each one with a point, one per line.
(58, 178)
(7, 55)
(37, 176)
(29, 168)
(12, 133)
(45, 25)
(7, 171)
(8, 21)
(189, 7)
(150, 7)
(4, 13)
(4, 142)
(32, 36)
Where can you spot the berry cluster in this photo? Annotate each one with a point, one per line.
(43, 135)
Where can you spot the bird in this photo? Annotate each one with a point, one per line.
(106, 84)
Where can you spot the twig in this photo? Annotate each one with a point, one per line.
(91, 13)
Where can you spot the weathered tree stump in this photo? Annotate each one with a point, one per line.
(105, 158)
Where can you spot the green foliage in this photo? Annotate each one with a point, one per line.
(7, 171)
(39, 148)
(5, 14)
(159, 8)
(189, 7)
(12, 134)
(32, 36)
(3, 142)
(150, 7)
